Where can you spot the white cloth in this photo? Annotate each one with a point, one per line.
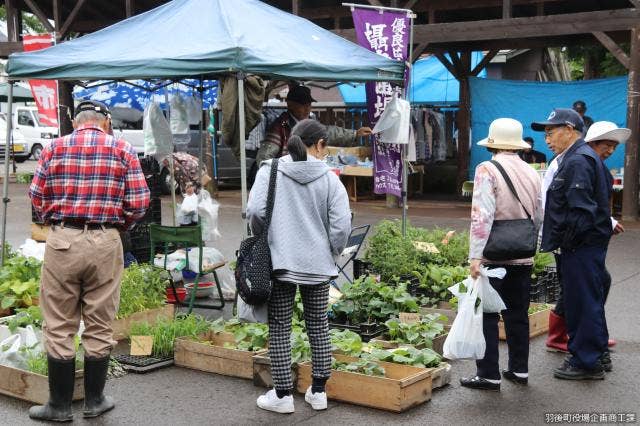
(395, 122)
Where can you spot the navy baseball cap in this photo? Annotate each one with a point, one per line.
(560, 117)
(95, 106)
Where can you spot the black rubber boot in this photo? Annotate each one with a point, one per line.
(61, 378)
(95, 376)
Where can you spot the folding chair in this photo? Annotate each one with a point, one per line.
(185, 237)
(356, 238)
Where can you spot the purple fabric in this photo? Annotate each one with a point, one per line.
(387, 34)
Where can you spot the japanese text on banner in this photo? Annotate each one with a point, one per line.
(387, 34)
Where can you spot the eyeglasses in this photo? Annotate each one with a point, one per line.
(548, 133)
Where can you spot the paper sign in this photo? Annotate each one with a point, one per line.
(409, 317)
(141, 345)
(426, 247)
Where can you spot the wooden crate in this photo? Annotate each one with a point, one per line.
(33, 387)
(538, 323)
(262, 371)
(402, 387)
(121, 326)
(213, 357)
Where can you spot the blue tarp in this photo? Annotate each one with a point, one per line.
(123, 95)
(431, 84)
(526, 102)
(185, 38)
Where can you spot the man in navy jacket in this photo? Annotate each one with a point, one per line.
(577, 221)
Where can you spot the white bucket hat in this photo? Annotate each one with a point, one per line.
(607, 131)
(505, 133)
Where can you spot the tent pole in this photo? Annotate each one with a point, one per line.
(200, 154)
(243, 154)
(172, 170)
(5, 182)
(405, 149)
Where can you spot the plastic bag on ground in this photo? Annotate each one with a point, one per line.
(491, 300)
(465, 339)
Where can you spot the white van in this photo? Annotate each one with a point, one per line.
(36, 135)
(20, 146)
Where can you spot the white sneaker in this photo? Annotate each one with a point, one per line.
(270, 401)
(318, 400)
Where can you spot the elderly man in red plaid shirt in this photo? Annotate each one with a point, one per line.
(87, 186)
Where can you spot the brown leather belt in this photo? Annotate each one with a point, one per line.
(74, 224)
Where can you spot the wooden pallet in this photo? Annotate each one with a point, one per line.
(538, 323)
(402, 387)
(213, 357)
(33, 387)
(121, 326)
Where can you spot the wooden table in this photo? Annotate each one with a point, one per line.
(350, 175)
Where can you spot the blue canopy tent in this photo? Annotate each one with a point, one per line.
(431, 84)
(206, 39)
(528, 101)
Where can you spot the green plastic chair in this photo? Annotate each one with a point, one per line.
(172, 238)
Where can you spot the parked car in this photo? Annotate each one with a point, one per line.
(36, 135)
(20, 148)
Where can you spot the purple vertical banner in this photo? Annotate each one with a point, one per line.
(387, 34)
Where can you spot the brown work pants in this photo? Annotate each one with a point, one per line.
(80, 279)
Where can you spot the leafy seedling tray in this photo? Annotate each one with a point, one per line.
(367, 331)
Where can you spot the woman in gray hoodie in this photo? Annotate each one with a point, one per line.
(309, 228)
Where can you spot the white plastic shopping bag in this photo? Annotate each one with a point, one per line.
(10, 354)
(253, 313)
(491, 300)
(158, 140)
(465, 339)
(208, 212)
(179, 119)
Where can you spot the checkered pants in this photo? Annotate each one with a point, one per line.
(315, 299)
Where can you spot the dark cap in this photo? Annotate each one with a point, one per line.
(300, 94)
(560, 117)
(94, 106)
(580, 106)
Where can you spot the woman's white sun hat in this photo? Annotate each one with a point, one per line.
(607, 131)
(505, 133)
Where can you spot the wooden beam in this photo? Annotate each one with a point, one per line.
(12, 20)
(9, 47)
(295, 7)
(70, 18)
(631, 160)
(129, 8)
(40, 15)
(635, 3)
(57, 15)
(506, 9)
(522, 28)
(540, 9)
(448, 65)
(457, 63)
(410, 4)
(612, 47)
(415, 55)
(484, 62)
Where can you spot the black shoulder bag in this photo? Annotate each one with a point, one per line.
(253, 266)
(512, 238)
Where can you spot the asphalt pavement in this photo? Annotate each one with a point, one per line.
(178, 396)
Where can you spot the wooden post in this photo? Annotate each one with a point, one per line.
(630, 191)
(295, 7)
(65, 104)
(464, 122)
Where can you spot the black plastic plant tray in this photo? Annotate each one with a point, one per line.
(142, 363)
(365, 331)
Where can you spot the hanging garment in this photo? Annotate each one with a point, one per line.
(417, 120)
(428, 129)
